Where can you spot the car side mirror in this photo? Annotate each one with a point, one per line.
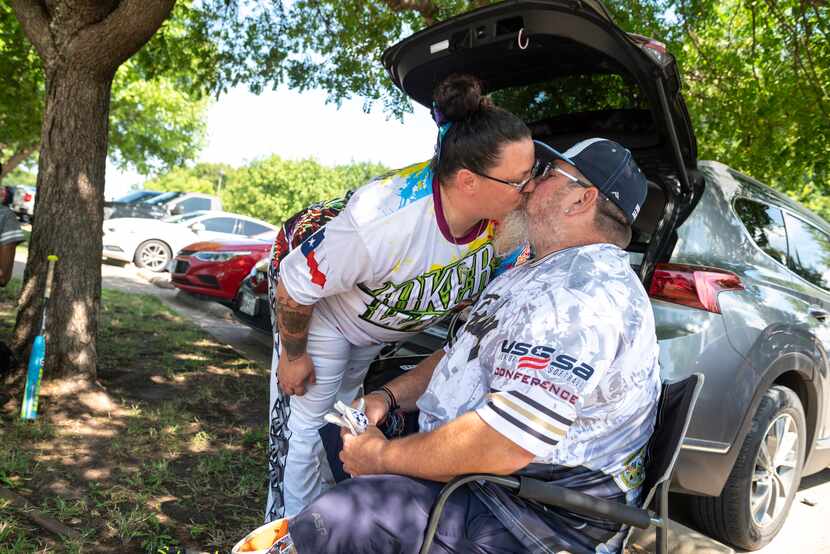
(197, 227)
(178, 210)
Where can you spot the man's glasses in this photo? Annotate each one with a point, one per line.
(518, 185)
(549, 168)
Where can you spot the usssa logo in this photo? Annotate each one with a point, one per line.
(538, 357)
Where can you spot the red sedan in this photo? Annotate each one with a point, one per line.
(216, 268)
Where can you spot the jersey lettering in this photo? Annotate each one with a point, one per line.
(563, 361)
(414, 304)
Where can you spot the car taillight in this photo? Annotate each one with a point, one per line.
(27, 197)
(693, 286)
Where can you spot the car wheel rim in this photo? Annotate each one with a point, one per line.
(775, 471)
(154, 256)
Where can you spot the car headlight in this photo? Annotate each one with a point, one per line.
(220, 256)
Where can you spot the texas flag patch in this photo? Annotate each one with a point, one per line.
(307, 248)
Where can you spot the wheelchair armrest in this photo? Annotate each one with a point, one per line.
(581, 503)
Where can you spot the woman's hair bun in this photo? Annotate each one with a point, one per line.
(459, 96)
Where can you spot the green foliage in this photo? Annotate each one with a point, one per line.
(21, 98)
(758, 76)
(154, 125)
(203, 177)
(273, 189)
(157, 115)
(20, 177)
(344, 57)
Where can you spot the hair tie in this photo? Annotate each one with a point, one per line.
(443, 126)
(438, 115)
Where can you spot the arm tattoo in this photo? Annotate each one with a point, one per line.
(293, 321)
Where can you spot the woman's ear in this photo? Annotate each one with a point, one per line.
(466, 181)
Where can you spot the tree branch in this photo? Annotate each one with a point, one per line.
(35, 23)
(110, 42)
(20, 156)
(812, 80)
(427, 9)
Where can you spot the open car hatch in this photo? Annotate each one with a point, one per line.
(568, 71)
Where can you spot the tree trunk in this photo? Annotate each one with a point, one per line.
(81, 43)
(69, 213)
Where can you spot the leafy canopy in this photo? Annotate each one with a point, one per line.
(271, 189)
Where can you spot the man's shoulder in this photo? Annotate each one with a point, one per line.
(10, 230)
(7, 213)
(604, 271)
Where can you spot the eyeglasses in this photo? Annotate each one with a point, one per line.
(549, 168)
(518, 185)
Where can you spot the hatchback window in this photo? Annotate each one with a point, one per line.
(570, 94)
(809, 252)
(220, 224)
(766, 227)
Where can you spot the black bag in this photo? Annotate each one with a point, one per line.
(8, 362)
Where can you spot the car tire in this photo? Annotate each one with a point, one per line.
(153, 255)
(754, 503)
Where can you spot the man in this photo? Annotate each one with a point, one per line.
(10, 235)
(557, 365)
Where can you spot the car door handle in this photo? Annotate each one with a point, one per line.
(819, 313)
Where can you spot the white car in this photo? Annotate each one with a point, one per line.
(23, 202)
(151, 243)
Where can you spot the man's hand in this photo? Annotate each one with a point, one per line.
(295, 376)
(361, 454)
(376, 407)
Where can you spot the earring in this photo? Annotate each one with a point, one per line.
(567, 210)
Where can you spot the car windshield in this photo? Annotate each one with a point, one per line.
(183, 217)
(162, 198)
(570, 94)
(137, 195)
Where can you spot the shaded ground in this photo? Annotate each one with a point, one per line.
(163, 454)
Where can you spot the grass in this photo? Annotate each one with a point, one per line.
(177, 462)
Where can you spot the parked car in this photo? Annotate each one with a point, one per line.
(23, 203)
(162, 205)
(738, 274)
(250, 304)
(151, 243)
(216, 268)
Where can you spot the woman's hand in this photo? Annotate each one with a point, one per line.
(295, 376)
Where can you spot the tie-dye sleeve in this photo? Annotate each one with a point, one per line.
(555, 351)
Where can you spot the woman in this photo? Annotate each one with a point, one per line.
(394, 257)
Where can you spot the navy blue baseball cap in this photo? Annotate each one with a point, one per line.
(609, 166)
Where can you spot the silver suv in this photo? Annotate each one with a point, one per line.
(738, 274)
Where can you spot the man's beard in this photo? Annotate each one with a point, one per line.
(511, 231)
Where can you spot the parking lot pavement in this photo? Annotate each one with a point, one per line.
(807, 530)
